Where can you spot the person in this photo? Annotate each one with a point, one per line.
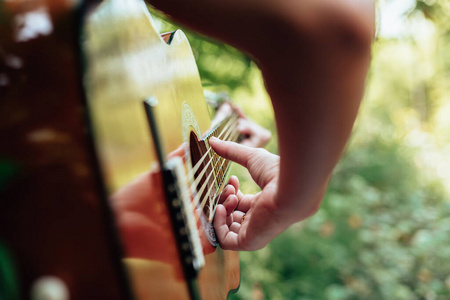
(314, 56)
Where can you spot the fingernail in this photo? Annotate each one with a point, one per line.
(214, 139)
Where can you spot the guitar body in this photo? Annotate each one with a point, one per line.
(127, 61)
(81, 199)
(55, 225)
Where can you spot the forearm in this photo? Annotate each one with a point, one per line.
(314, 56)
(316, 86)
(314, 122)
(233, 22)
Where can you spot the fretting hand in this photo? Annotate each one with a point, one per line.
(253, 134)
(314, 56)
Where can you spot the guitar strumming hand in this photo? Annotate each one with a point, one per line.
(248, 222)
(141, 224)
(314, 56)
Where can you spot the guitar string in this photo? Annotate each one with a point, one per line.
(197, 197)
(199, 163)
(197, 180)
(227, 131)
(200, 176)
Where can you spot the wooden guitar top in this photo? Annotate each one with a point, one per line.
(127, 61)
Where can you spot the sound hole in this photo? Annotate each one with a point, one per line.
(205, 179)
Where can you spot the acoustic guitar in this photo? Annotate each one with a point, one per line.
(108, 184)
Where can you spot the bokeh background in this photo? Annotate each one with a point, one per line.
(383, 230)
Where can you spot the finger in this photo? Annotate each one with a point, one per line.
(180, 151)
(230, 204)
(251, 141)
(232, 151)
(244, 127)
(239, 111)
(239, 194)
(224, 111)
(245, 203)
(230, 219)
(220, 216)
(227, 191)
(255, 135)
(235, 227)
(238, 216)
(227, 238)
(234, 181)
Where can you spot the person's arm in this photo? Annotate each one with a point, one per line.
(314, 56)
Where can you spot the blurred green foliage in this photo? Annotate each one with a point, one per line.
(219, 64)
(383, 231)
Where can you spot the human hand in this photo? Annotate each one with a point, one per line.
(253, 134)
(249, 222)
(142, 216)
